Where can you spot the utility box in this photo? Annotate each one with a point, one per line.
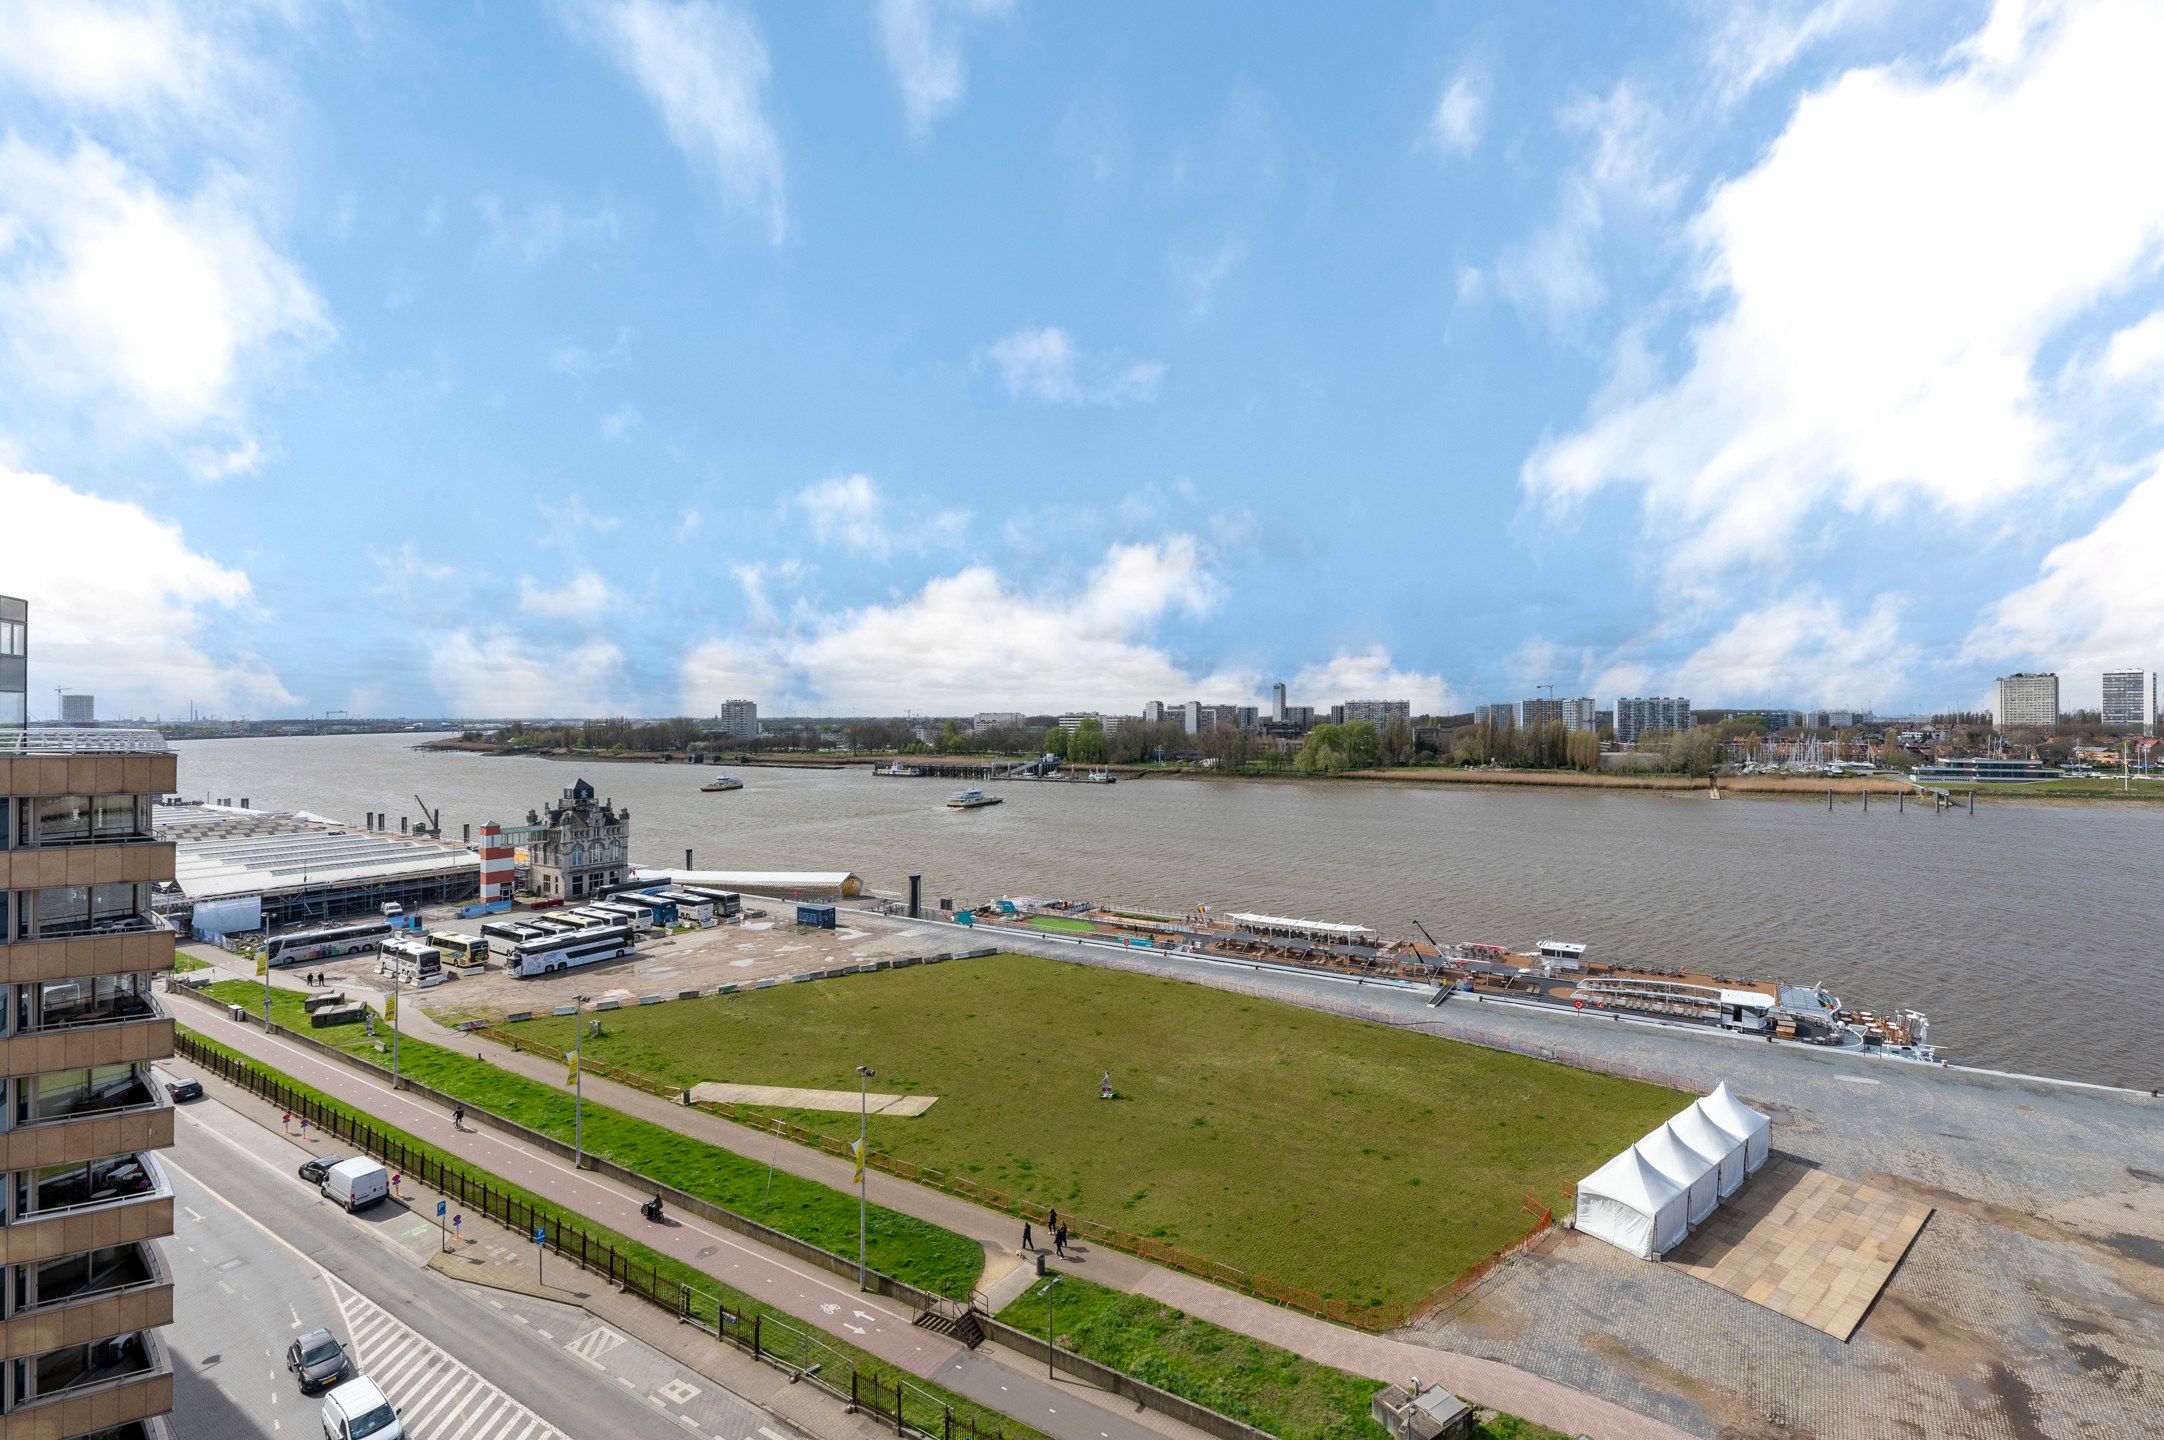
(821, 916)
(1433, 1414)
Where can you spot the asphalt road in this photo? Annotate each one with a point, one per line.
(258, 1257)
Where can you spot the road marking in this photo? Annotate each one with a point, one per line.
(678, 1392)
(431, 1390)
(595, 1343)
(192, 1214)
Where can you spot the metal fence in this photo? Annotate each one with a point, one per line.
(895, 1400)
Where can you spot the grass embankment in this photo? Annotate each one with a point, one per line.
(669, 1268)
(899, 1245)
(1272, 1389)
(1367, 1164)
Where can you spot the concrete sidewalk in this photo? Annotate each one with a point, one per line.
(1487, 1382)
(822, 1302)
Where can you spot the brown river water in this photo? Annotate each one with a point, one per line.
(2032, 934)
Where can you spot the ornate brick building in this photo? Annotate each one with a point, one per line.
(583, 845)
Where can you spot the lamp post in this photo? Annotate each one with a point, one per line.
(394, 1031)
(1046, 1292)
(864, 1078)
(578, 1081)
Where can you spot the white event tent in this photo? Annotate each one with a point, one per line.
(1695, 1172)
(1633, 1206)
(1694, 1129)
(1740, 1120)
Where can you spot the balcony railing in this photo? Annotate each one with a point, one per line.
(109, 925)
(139, 1094)
(65, 740)
(116, 1009)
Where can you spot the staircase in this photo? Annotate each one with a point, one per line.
(957, 1323)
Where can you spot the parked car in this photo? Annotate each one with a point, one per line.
(357, 1410)
(184, 1090)
(314, 1170)
(318, 1361)
(357, 1183)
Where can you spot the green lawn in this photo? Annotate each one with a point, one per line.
(1059, 926)
(899, 1245)
(986, 1419)
(1368, 1164)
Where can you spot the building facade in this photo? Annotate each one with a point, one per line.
(2127, 700)
(739, 719)
(1375, 712)
(78, 709)
(82, 1117)
(1570, 714)
(1636, 714)
(1505, 715)
(581, 847)
(1277, 702)
(2026, 699)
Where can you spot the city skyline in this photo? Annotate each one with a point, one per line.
(630, 356)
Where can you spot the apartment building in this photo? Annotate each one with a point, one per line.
(1574, 714)
(2127, 695)
(81, 1115)
(2026, 699)
(1636, 714)
(739, 719)
(1375, 712)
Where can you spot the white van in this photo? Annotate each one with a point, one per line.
(356, 1183)
(357, 1410)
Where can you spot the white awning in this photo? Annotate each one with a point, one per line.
(1284, 922)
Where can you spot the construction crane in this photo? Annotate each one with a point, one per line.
(433, 817)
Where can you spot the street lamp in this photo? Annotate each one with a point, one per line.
(864, 1077)
(1046, 1292)
(393, 1007)
(578, 1081)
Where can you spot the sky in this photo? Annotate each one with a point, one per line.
(935, 356)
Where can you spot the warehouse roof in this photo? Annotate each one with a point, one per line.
(221, 850)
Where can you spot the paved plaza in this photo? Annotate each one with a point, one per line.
(1805, 1244)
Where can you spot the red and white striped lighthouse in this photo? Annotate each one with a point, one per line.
(497, 876)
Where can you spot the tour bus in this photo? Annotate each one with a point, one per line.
(661, 907)
(325, 942)
(510, 932)
(728, 905)
(638, 917)
(558, 922)
(460, 950)
(411, 962)
(568, 950)
(696, 908)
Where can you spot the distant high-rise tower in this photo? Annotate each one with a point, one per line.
(1277, 702)
(79, 709)
(740, 719)
(2026, 699)
(2126, 699)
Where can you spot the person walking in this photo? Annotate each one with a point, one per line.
(458, 1117)
(1051, 1219)
(1059, 1242)
(1027, 1239)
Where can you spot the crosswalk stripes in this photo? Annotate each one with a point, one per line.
(595, 1343)
(434, 1394)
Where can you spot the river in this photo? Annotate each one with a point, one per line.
(2029, 933)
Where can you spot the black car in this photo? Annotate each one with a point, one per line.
(318, 1361)
(314, 1170)
(183, 1090)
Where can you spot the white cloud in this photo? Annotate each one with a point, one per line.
(844, 510)
(704, 67)
(571, 525)
(1804, 649)
(579, 361)
(1461, 114)
(495, 673)
(973, 638)
(1371, 674)
(1755, 40)
(585, 596)
(2097, 601)
(406, 568)
(1882, 284)
(170, 308)
(1552, 272)
(144, 60)
(1045, 365)
(540, 231)
(620, 422)
(1200, 269)
(923, 44)
(142, 636)
(2136, 351)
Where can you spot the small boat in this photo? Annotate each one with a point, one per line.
(1101, 777)
(970, 799)
(898, 770)
(720, 783)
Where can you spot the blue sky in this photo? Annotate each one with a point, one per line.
(625, 355)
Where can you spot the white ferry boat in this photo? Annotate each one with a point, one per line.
(720, 783)
(970, 799)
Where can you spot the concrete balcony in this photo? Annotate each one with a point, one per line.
(95, 862)
(147, 1035)
(138, 1298)
(46, 1235)
(142, 1120)
(144, 945)
(134, 1386)
(58, 772)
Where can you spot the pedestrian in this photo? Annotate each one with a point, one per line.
(458, 1117)
(456, 1221)
(1059, 1242)
(396, 1180)
(1028, 1243)
(1051, 1220)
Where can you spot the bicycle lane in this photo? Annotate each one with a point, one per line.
(869, 1322)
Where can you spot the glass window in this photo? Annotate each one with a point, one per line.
(63, 909)
(114, 815)
(11, 637)
(87, 1273)
(111, 903)
(7, 829)
(81, 1182)
(12, 709)
(63, 818)
(73, 1366)
(86, 1001)
(60, 1093)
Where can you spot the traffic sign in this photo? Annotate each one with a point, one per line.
(540, 1234)
(443, 1208)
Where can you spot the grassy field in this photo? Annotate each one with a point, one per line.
(1058, 926)
(986, 1419)
(900, 1245)
(1364, 1163)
